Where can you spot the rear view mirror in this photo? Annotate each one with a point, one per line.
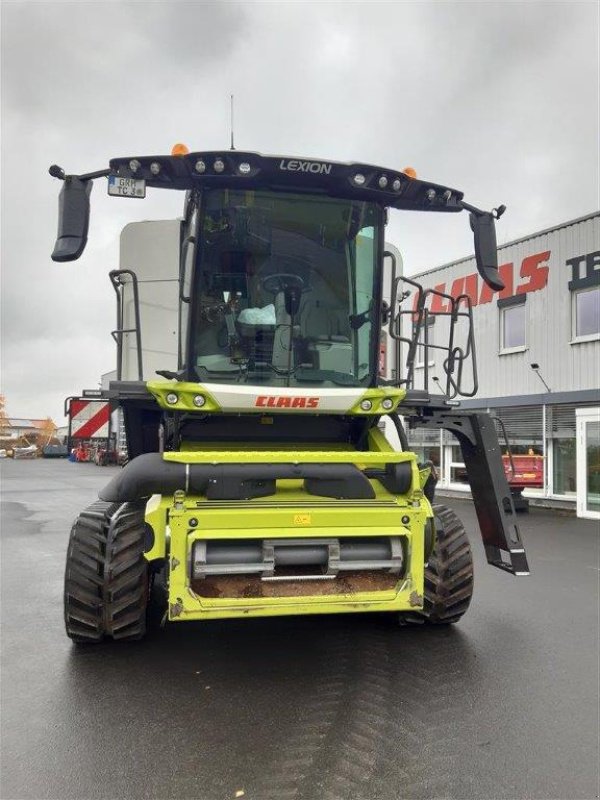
(486, 254)
(73, 219)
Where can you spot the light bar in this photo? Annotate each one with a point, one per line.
(230, 169)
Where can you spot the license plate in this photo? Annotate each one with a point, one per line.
(126, 187)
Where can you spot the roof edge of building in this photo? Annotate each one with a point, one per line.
(584, 396)
(543, 232)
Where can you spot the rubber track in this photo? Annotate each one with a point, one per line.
(348, 732)
(106, 577)
(294, 768)
(348, 766)
(449, 572)
(387, 716)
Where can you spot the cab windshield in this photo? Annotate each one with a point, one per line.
(284, 289)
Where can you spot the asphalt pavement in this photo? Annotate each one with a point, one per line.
(348, 707)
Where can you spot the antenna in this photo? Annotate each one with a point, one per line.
(231, 99)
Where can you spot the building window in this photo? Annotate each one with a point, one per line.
(456, 469)
(560, 432)
(524, 429)
(586, 314)
(513, 324)
(592, 462)
(426, 444)
(564, 465)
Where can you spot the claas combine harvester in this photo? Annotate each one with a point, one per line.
(260, 481)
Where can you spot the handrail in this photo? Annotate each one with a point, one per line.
(118, 284)
(456, 309)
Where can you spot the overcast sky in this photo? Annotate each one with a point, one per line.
(497, 99)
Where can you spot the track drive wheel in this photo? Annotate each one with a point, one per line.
(107, 578)
(448, 573)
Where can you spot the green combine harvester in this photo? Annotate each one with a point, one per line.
(260, 481)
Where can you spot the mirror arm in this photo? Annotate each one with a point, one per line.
(101, 173)
(495, 212)
(58, 172)
(468, 207)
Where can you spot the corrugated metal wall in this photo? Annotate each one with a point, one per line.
(565, 367)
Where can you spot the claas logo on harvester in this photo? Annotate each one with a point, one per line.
(270, 401)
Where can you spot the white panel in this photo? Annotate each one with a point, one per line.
(151, 250)
(283, 399)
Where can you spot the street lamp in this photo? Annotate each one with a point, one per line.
(536, 369)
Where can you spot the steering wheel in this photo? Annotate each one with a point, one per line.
(280, 281)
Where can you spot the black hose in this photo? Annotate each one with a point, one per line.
(149, 474)
(401, 432)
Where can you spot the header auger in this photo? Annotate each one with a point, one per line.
(260, 482)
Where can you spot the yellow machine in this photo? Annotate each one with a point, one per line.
(260, 481)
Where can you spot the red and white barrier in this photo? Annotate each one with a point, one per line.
(90, 419)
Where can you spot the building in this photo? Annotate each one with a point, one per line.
(538, 357)
(17, 427)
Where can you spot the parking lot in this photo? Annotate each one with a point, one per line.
(503, 705)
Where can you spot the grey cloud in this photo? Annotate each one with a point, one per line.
(52, 50)
(497, 99)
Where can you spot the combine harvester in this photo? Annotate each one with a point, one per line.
(260, 482)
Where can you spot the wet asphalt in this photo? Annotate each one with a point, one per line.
(502, 705)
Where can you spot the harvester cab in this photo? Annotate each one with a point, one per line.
(260, 481)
